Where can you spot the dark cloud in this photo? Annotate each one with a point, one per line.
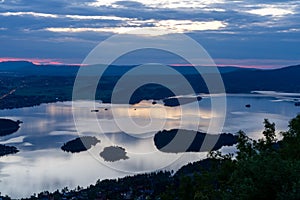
(253, 29)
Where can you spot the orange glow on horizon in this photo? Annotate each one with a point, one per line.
(244, 63)
(36, 61)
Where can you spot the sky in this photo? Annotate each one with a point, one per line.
(252, 33)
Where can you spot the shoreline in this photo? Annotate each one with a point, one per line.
(293, 97)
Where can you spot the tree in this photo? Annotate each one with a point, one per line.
(269, 132)
(267, 143)
(245, 146)
(291, 140)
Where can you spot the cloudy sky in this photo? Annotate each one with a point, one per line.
(244, 33)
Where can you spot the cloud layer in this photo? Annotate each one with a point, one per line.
(68, 30)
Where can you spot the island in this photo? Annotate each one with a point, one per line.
(8, 126)
(256, 165)
(178, 141)
(113, 154)
(6, 150)
(177, 101)
(80, 144)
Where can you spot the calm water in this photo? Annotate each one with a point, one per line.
(41, 165)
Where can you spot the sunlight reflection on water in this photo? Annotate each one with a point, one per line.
(41, 165)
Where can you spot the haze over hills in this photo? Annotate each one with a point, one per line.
(24, 68)
(24, 84)
(284, 80)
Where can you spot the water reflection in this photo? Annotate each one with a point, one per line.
(42, 165)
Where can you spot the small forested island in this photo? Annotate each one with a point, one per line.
(260, 169)
(178, 141)
(8, 126)
(113, 154)
(80, 144)
(177, 101)
(6, 150)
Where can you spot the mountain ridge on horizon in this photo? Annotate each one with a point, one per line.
(29, 84)
(29, 68)
(25, 62)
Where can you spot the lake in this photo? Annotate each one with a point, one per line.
(42, 165)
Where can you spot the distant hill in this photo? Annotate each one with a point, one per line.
(25, 84)
(24, 68)
(229, 69)
(284, 80)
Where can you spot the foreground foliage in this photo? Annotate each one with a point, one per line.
(263, 169)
